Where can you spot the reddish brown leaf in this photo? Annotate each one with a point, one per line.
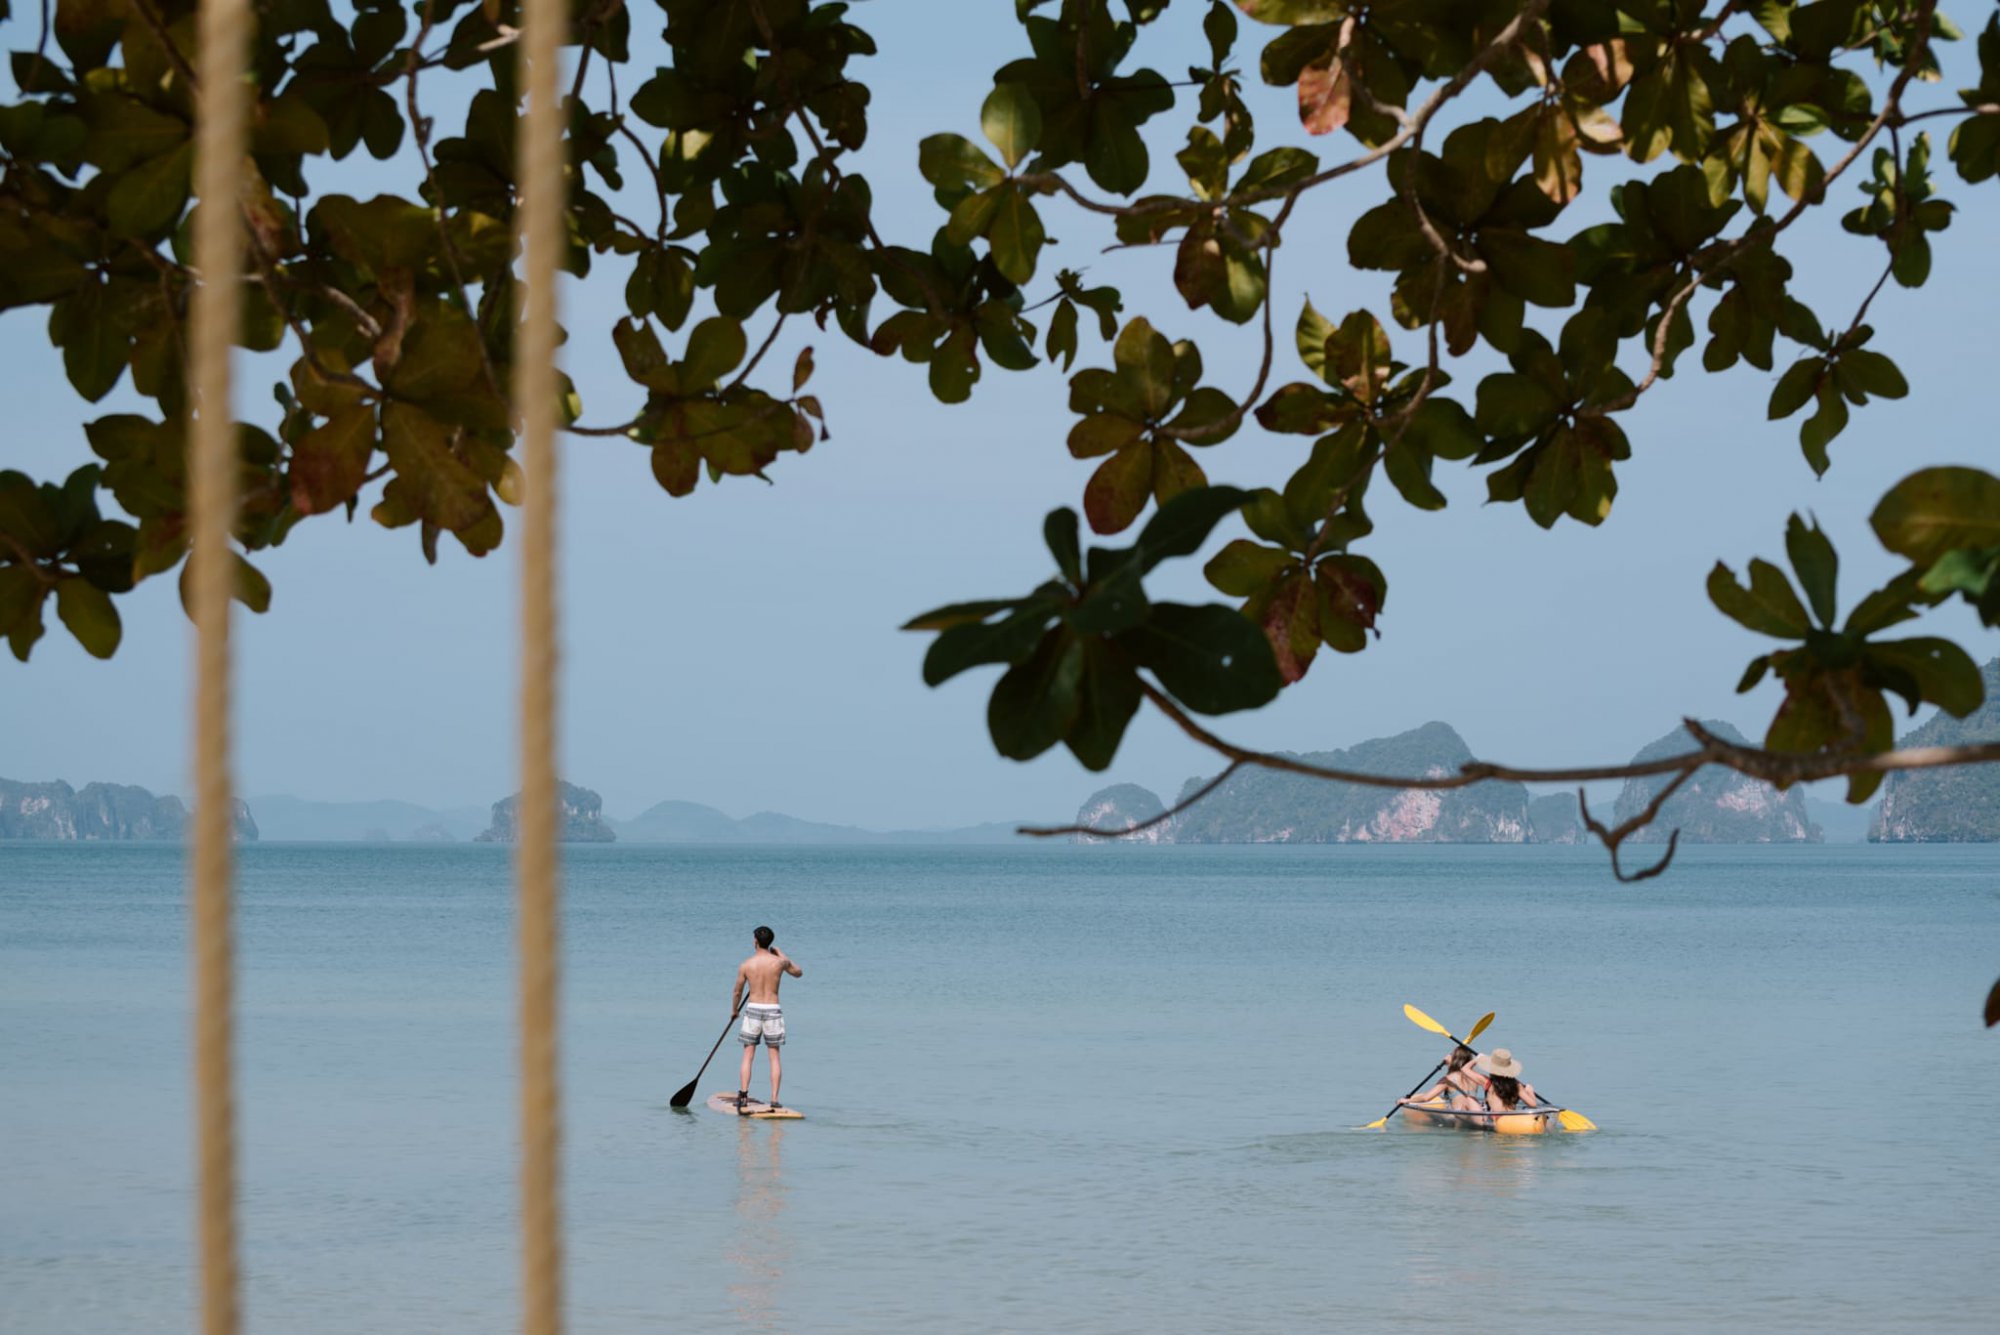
(1174, 471)
(1326, 87)
(1118, 489)
(1350, 598)
(677, 465)
(1291, 623)
(330, 461)
(1326, 96)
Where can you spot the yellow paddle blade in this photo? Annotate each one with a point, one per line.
(1375, 1125)
(1423, 1021)
(1479, 1029)
(1573, 1120)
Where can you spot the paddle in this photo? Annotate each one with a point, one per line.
(1571, 1119)
(686, 1096)
(1383, 1120)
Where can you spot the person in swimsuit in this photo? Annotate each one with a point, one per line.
(1506, 1091)
(763, 1021)
(1463, 1088)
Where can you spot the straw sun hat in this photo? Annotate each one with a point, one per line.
(1501, 1062)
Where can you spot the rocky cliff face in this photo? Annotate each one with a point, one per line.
(1554, 819)
(1122, 806)
(581, 820)
(1946, 805)
(1717, 805)
(1258, 806)
(99, 811)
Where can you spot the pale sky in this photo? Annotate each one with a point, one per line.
(739, 647)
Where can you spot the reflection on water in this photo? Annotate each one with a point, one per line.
(1470, 1184)
(760, 1244)
(1466, 1165)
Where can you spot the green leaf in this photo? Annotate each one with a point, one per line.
(432, 483)
(1060, 533)
(1887, 606)
(1107, 698)
(1211, 658)
(149, 197)
(1817, 565)
(1795, 386)
(1183, 524)
(27, 515)
(1945, 674)
(1761, 607)
(954, 614)
(1011, 121)
(1827, 422)
(1037, 701)
(972, 643)
(1145, 360)
(1016, 235)
(951, 161)
(87, 611)
(440, 356)
(1115, 601)
(1062, 334)
(94, 342)
(1938, 509)
(1277, 169)
(1514, 405)
(1874, 373)
(1442, 428)
(1244, 567)
(715, 348)
(21, 594)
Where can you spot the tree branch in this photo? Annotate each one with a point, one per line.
(1781, 768)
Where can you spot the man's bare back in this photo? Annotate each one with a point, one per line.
(761, 974)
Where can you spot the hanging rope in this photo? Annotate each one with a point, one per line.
(224, 43)
(539, 152)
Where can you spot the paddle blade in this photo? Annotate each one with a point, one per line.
(1423, 1021)
(1572, 1120)
(1479, 1028)
(686, 1096)
(1375, 1125)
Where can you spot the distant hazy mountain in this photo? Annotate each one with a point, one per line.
(1717, 805)
(1839, 822)
(693, 823)
(580, 819)
(1262, 806)
(1959, 805)
(1555, 819)
(1120, 807)
(295, 820)
(98, 811)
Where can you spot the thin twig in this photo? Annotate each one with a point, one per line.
(1614, 839)
(762, 348)
(1047, 831)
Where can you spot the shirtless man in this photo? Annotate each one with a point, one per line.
(762, 1020)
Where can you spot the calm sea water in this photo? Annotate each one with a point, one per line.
(1090, 1089)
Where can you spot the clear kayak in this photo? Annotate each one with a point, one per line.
(1520, 1122)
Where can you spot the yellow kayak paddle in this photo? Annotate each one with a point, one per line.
(1383, 1120)
(1571, 1119)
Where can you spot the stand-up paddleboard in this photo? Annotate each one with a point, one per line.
(726, 1103)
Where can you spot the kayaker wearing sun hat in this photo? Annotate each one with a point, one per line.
(1505, 1090)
